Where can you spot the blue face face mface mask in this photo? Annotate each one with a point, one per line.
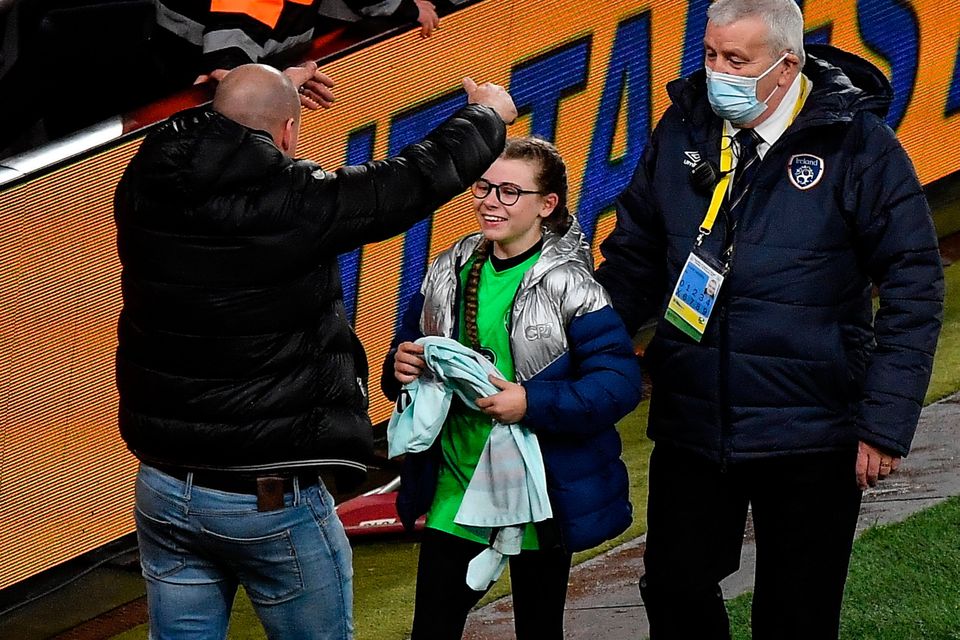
(734, 98)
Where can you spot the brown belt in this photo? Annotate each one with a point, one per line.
(269, 488)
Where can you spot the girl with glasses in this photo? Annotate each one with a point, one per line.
(521, 292)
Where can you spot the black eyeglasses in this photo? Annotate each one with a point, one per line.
(508, 194)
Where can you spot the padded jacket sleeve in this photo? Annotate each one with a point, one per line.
(633, 269)
(603, 386)
(356, 205)
(897, 245)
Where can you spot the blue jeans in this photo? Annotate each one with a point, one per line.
(197, 545)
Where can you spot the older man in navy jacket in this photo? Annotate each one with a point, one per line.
(774, 385)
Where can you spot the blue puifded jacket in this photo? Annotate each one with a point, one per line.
(793, 360)
(576, 363)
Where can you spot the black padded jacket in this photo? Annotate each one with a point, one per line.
(233, 346)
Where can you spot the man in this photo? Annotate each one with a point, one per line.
(239, 376)
(774, 387)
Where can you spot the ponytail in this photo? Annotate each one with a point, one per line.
(470, 294)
